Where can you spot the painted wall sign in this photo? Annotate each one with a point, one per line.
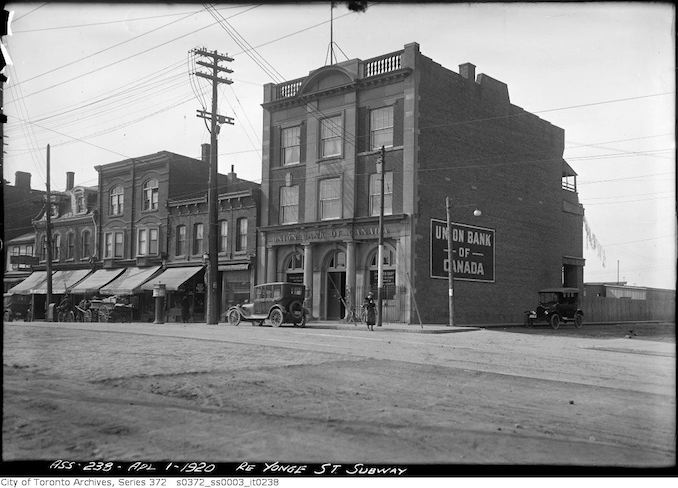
(472, 252)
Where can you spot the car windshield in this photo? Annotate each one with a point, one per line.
(548, 297)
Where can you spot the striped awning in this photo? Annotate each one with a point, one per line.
(34, 280)
(173, 278)
(129, 282)
(62, 281)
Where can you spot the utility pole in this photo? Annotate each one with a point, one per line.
(213, 229)
(381, 163)
(450, 263)
(48, 241)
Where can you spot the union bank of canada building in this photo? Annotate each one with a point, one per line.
(516, 217)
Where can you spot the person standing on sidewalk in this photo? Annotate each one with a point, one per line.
(371, 309)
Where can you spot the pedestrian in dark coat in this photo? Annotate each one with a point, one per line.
(371, 309)
(185, 309)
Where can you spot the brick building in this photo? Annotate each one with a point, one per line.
(237, 219)
(21, 204)
(446, 134)
(73, 214)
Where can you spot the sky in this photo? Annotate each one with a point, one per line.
(101, 83)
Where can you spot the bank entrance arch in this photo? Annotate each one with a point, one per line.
(335, 285)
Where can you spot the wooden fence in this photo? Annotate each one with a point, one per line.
(608, 309)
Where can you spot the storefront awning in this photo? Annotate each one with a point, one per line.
(172, 278)
(34, 280)
(234, 267)
(130, 281)
(95, 281)
(62, 281)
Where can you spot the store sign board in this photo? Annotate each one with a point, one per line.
(472, 252)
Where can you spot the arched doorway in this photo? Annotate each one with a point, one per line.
(294, 268)
(336, 285)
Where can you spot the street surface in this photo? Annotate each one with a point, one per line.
(589, 397)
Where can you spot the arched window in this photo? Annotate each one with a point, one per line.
(85, 245)
(294, 268)
(43, 248)
(116, 201)
(337, 261)
(150, 195)
(389, 273)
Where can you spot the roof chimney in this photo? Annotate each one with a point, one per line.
(468, 71)
(205, 153)
(70, 180)
(232, 176)
(22, 180)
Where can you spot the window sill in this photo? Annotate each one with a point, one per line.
(151, 210)
(290, 165)
(326, 159)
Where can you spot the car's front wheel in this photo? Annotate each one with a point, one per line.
(555, 321)
(233, 317)
(276, 317)
(578, 320)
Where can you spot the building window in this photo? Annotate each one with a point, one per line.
(291, 141)
(142, 242)
(116, 202)
(181, 240)
(330, 199)
(150, 195)
(108, 246)
(119, 239)
(389, 274)
(80, 203)
(113, 244)
(85, 244)
(294, 269)
(153, 242)
(43, 248)
(330, 136)
(375, 193)
(289, 204)
(70, 245)
(241, 235)
(197, 239)
(15, 252)
(56, 247)
(223, 235)
(381, 128)
(337, 261)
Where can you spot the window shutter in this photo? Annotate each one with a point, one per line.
(398, 115)
(275, 147)
(363, 136)
(302, 142)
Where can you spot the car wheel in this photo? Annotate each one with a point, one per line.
(578, 320)
(276, 317)
(234, 317)
(555, 321)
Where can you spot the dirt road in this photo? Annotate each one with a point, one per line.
(228, 394)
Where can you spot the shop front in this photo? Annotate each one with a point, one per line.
(185, 288)
(338, 264)
(127, 290)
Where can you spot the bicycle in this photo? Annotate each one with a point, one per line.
(356, 314)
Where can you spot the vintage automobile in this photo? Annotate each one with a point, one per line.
(279, 303)
(16, 307)
(556, 305)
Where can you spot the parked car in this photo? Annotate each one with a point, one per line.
(16, 307)
(557, 305)
(279, 303)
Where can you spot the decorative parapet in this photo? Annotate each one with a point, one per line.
(288, 89)
(382, 64)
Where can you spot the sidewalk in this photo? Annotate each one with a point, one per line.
(389, 327)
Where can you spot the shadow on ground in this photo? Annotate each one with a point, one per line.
(664, 332)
